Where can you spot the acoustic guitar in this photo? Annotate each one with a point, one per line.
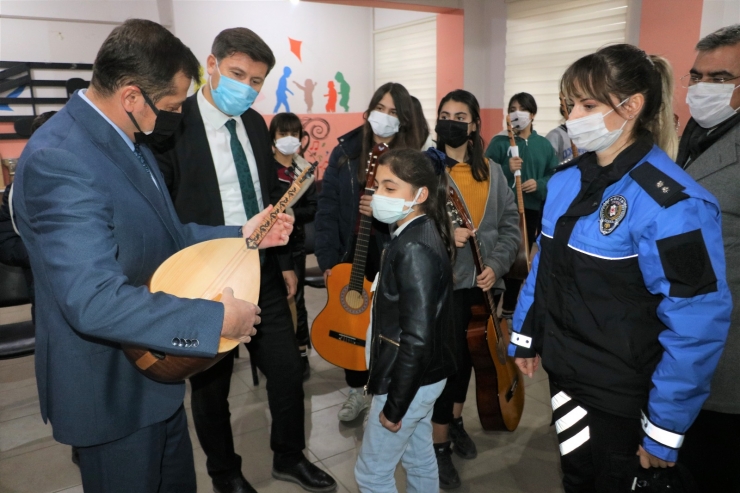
(520, 269)
(499, 388)
(203, 271)
(338, 333)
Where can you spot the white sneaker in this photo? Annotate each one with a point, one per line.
(353, 406)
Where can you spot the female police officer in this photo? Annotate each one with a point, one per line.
(626, 303)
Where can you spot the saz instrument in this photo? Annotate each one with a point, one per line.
(499, 387)
(566, 115)
(338, 333)
(203, 271)
(520, 269)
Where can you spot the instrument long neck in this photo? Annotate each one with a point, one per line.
(479, 266)
(357, 277)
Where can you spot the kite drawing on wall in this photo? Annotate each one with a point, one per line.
(331, 102)
(307, 89)
(16, 92)
(343, 91)
(282, 91)
(295, 47)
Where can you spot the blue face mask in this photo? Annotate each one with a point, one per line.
(231, 96)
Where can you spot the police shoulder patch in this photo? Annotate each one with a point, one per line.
(611, 213)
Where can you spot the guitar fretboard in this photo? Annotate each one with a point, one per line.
(357, 278)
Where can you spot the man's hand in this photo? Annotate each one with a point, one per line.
(529, 186)
(365, 207)
(278, 234)
(291, 282)
(392, 427)
(487, 279)
(240, 317)
(515, 163)
(461, 236)
(528, 365)
(327, 273)
(648, 460)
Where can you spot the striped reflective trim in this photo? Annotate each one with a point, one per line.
(574, 442)
(521, 340)
(663, 437)
(559, 399)
(591, 254)
(545, 235)
(570, 419)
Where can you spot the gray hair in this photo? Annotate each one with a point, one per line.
(726, 36)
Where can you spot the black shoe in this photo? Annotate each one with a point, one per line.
(448, 477)
(75, 456)
(235, 484)
(306, 367)
(307, 476)
(463, 445)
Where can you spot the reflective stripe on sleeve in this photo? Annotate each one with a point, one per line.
(663, 437)
(521, 340)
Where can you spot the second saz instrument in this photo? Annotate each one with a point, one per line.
(520, 269)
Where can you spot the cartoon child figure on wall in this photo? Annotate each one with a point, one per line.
(282, 91)
(331, 103)
(307, 89)
(343, 91)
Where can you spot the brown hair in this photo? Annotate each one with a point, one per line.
(623, 70)
(242, 40)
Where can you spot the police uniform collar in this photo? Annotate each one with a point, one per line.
(622, 164)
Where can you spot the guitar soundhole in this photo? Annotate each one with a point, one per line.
(354, 302)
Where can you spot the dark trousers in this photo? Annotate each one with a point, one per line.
(299, 260)
(710, 451)
(534, 226)
(275, 352)
(155, 459)
(606, 462)
(456, 388)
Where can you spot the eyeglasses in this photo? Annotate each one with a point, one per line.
(689, 80)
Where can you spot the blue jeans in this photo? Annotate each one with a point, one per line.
(412, 445)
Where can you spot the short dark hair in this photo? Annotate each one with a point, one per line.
(144, 54)
(525, 100)
(726, 36)
(286, 123)
(242, 40)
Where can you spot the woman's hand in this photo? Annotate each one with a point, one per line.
(648, 460)
(529, 186)
(487, 279)
(515, 163)
(461, 236)
(365, 207)
(528, 365)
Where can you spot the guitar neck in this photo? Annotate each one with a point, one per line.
(479, 266)
(261, 231)
(357, 278)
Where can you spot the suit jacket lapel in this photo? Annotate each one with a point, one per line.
(118, 152)
(722, 154)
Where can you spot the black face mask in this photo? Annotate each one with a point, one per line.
(452, 133)
(165, 125)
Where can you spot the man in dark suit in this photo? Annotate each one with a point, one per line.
(218, 169)
(92, 213)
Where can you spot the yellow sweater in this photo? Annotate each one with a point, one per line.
(474, 193)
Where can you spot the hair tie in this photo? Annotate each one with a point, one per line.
(438, 158)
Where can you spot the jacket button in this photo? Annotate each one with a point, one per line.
(181, 343)
(175, 341)
(196, 343)
(187, 343)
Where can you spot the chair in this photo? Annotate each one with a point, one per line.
(17, 336)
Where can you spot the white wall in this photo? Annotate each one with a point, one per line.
(335, 38)
(719, 13)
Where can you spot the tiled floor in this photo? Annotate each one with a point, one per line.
(523, 461)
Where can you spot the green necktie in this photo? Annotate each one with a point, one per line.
(249, 196)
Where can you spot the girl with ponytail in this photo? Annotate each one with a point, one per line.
(627, 301)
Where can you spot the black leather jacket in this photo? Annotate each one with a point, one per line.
(413, 341)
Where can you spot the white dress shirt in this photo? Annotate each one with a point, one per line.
(219, 140)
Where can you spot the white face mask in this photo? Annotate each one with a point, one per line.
(288, 145)
(383, 125)
(710, 103)
(390, 210)
(520, 119)
(590, 132)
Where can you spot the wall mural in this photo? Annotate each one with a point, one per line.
(307, 89)
(316, 148)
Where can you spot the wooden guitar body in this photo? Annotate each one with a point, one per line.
(338, 333)
(201, 271)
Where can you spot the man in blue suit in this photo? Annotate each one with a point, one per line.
(93, 212)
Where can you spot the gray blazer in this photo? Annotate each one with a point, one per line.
(718, 170)
(498, 233)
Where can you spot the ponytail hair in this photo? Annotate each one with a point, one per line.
(623, 70)
(417, 169)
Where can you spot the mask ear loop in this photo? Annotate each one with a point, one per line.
(413, 202)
